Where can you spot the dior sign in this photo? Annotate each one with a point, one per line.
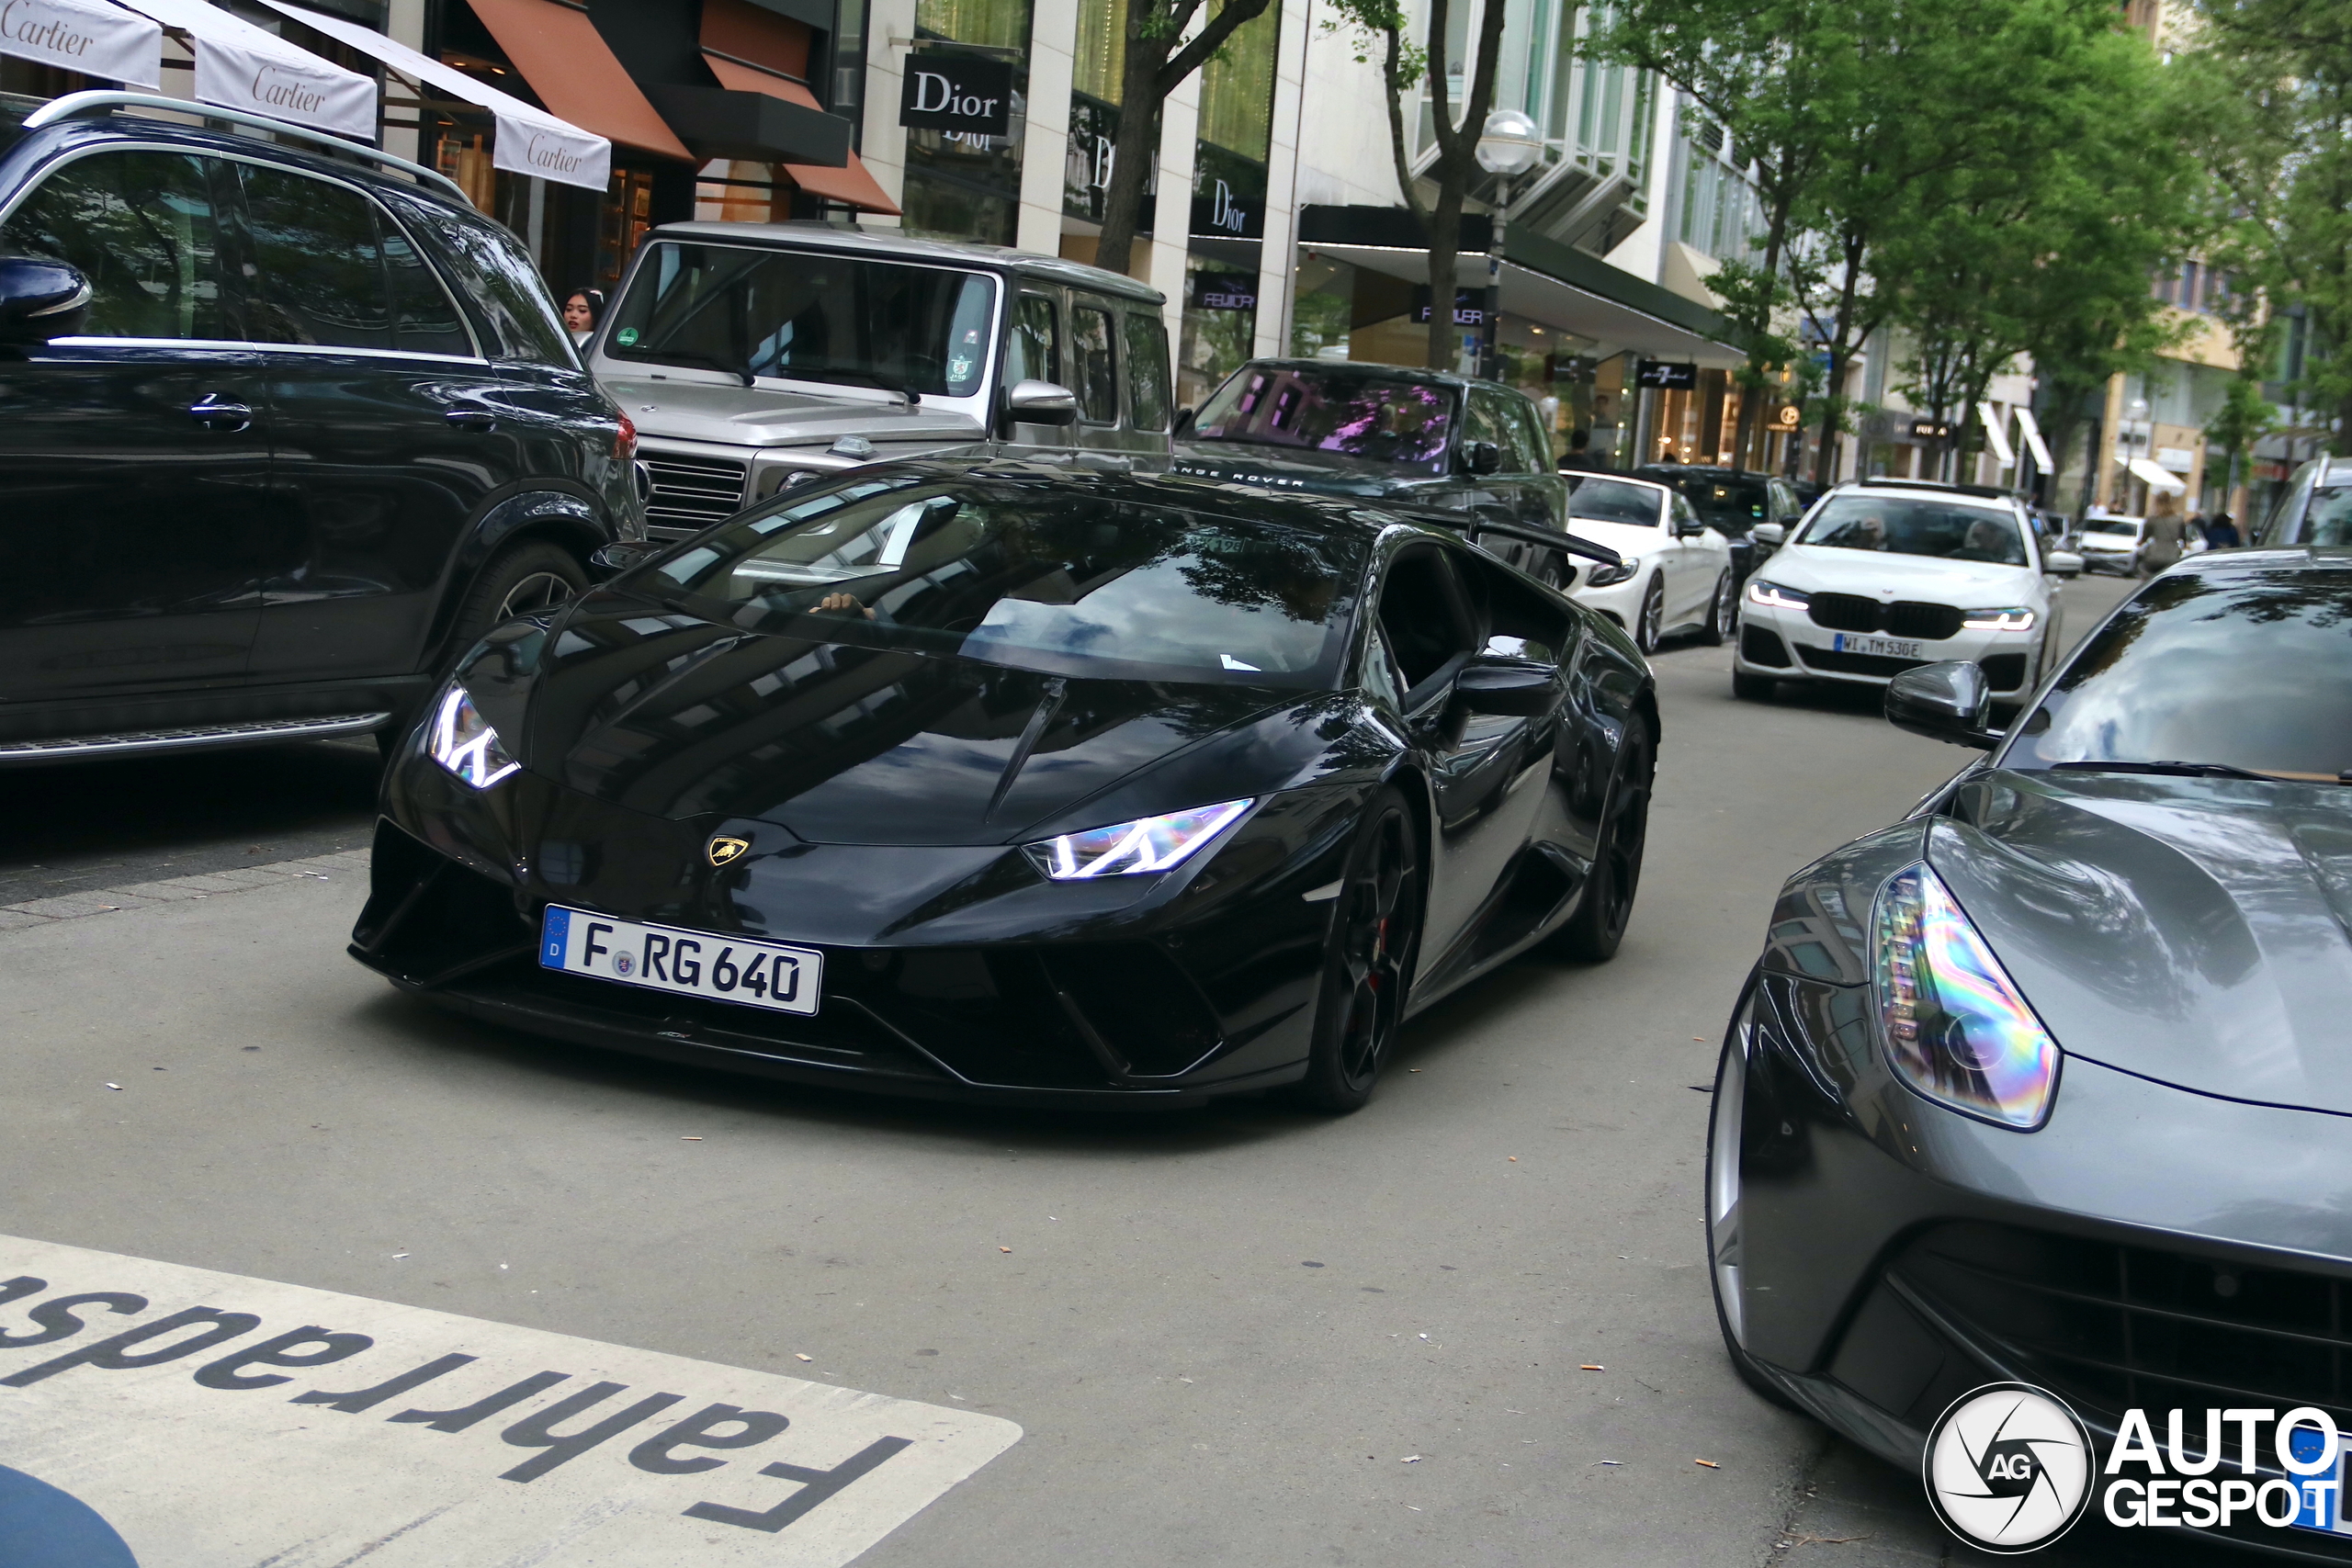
(957, 94)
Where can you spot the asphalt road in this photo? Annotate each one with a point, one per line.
(1240, 1335)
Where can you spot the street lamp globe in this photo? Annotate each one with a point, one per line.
(1508, 143)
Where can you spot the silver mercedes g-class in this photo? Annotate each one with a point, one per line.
(748, 354)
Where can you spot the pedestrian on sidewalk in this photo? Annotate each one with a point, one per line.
(2222, 534)
(2162, 538)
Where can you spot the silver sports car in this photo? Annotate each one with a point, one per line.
(2051, 1083)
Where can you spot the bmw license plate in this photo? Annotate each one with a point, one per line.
(693, 963)
(1885, 646)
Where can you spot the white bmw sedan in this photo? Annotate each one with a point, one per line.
(1883, 575)
(1676, 573)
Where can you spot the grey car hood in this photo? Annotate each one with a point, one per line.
(2191, 931)
(765, 416)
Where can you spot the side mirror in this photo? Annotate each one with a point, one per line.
(2065, 563)
(1689, 527)
(1183, 425)
(1481, 457)
(1950, 701)
(1041, 402)
(622, 554)
(1499, 684)
(1771, 533)
(41, 300)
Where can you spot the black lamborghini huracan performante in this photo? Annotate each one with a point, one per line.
(1003, 781)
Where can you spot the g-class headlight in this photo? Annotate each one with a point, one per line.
(1955, 1026)
(461, 740)
(1127, 849)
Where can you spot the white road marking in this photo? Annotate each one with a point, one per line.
(211, 1419)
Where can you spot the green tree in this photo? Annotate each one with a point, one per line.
(2279, 139)
(1785, 80)
(1382, 25)
(1158, 58)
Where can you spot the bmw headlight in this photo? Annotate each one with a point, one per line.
(2016, 618)
(1128, 849)
(1955, 1026)
(1603, 575)
(1772, 596)
(461, 740)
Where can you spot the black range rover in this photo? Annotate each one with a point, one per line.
(281, 433)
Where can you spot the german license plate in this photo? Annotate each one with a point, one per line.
(693, 963)
(1885, 646)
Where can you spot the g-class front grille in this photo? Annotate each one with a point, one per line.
(690, 493)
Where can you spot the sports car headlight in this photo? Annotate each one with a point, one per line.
(461, 740)
(1603, 575)
(1955, 1026)
(1128, 849)
(1772, 596)
(2018, 618)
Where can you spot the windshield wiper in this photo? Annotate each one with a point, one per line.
(711, 361)
(854, 378)
(2181, 770)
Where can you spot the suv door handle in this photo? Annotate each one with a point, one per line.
(479, 421)
(214, 414)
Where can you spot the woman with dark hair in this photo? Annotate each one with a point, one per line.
(582, 309)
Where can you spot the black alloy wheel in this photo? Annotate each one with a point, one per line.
(1367, 959)
(1593, 932)
(1554, 571)
(1719, 613)
(1650, 627)
(530, 578)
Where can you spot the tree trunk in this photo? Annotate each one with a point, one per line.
(1745, 443)
(1445, 240)
(1135, 147)
(1841, 353)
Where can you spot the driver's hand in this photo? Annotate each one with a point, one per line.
(843, 603)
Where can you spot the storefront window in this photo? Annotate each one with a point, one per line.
(959, 185)
(1220, 327)
(1322, 310)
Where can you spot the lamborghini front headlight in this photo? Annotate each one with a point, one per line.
(1128, 849)
(461, 740)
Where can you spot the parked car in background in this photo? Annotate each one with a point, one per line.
(1407, 436)
(1733, 501)
(2110, 543)
(1889, 574)
(2316, 508)
(1676, 571)
(758, 355)
(281, 433)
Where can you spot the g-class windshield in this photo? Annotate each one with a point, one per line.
(808, 316)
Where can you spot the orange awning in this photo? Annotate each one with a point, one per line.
(850, 185)
(570, 66)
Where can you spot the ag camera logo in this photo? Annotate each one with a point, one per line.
(2009, 1468)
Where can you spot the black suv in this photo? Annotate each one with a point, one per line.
(1732, 501)
(281, 433)
(1406, 435)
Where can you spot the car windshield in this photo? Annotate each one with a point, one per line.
(1902, 526)
(2125, 527)
(2246, 671)
(807, 316)
(1355, 412)
(1613, 501)
(2329, 521)
(1034, 576)
(1729, 506)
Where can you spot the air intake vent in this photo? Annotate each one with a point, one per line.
(690, 493)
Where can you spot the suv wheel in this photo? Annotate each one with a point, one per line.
(522, 581)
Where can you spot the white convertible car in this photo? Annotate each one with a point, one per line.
(1676, 573)
(1885, 574)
